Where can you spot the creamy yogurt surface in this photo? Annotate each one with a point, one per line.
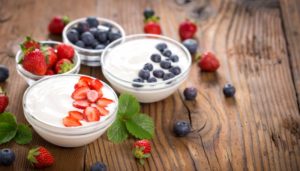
(50, 100)
(127, 59)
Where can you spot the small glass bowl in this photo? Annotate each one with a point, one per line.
(89, 57)
(148, 92)
(32, 78)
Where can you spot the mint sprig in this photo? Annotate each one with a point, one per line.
(130, 121)
(9, 129)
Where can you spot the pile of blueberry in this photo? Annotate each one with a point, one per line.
(90, 34)
(166, 59)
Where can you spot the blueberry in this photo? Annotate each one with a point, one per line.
(175, 70)
(174, 58)
(80, 44)
(148, 66)
(229, 90)
(73, 35)
(98, 167)
(82, 27)
(168, 76)
(167, 53)
(94, 31)
(92, 21)
(181, 128)
(148, 12)
(137, 80)
(191, 45)
(87, 38)
(100, 46)
(144, 74)
(108, 25)
(95, 44)
(161, 47)
(165, 64)
(155, 58)
(190, 93)
(158, 73)
(112, 36)
(7, 156)
(102, 36)
(152, 80)
(4, 73)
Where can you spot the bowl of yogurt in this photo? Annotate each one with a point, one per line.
(47, 102)
(150, 67)
(31, 78)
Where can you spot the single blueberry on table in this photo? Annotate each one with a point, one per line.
(175, 70)
(191, 45)
(148, 66)
(190, 93)
(144, 74)
(73, 35)
(137, 80)
(174, 58)
(7, 157)
(158, 73)
(165, 64)
(168, 76)
(80, 43)
(102, 36)
(100, 46)
(82, 27)
(98, 166)
(152, 80)
(229, 90)
(161, 47)
(167, 53)
(155, 57)
(181, 128)
(92, 21)
(87, 38)
(4, 73)
(148, 12)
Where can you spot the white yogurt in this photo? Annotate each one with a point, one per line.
(50, 100)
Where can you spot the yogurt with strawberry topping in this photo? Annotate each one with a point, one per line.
(49, 100)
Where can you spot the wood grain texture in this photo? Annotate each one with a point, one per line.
(256, 130)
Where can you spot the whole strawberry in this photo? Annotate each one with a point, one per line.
(35, 62)
(141, 150)
(187, 30)
(3, 101)
(51, 57)
(65, 51)
(40, 157)
(152, 27)
(63, 65)
(29, 44)
(209, 62)
(57, 24)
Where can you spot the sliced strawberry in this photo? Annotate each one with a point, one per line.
(81, 104)
(103, 102)
(92, 95)
(101, 109)
(86, 79)
(96, 85)
(81, 84)
(100, 93)
(71, 122)
(91, 114)
(76, 115)
(80, 93)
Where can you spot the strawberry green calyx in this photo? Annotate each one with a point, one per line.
(32, 154)
(154, 19)
(66, 19)
(2, 91)
(65, 67)
(138, 153)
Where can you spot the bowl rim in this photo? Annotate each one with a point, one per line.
(83, 50)
(114, 112)
(151, 85)
(33, 76)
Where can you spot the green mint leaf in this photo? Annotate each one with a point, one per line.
(9, 118)
(7, 132)
(128, 105)
(117, 132)
(141, 126)
(24, 135)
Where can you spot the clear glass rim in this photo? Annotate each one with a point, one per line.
(114, 112)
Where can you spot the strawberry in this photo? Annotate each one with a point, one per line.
(96, 85)
(63, 65)
(209, 62)
(50, 72)
(80, 93)
(57, 24)
(29, 44)
(92, 95)
(103, 102)
(40, 157)
(81, 104)
(3, 101)
(50, 55)
(141, 150)
(76, 115)
(152, 28)
(91, 114)
(102, 110)
(187, 30)
(71, 122)
(35, 62)
(83, 81)
(65, 51)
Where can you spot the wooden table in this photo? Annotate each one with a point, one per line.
(257, 43)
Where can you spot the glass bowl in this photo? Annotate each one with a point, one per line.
(89, 57)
